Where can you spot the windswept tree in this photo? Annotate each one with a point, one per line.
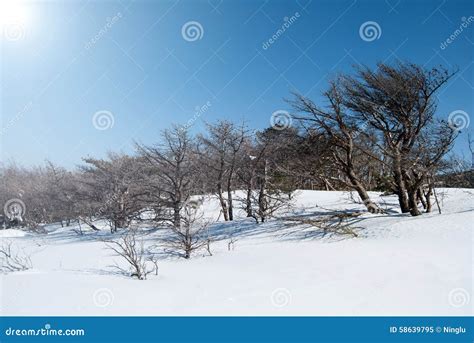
(341, 129)
(399, 102)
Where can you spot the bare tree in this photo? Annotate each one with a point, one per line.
(267, 191)
(220, 153)
(246, 174)
(399, 102)
(110, 189)
(341, 129)
(169, 174)
(61, 189)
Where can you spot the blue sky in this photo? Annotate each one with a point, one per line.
(129, 61)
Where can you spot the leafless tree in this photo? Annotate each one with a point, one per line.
(111, 190)
(169, 174)
(61, 191)
(220, 152)
(266, 190)
(399, 102)
(341, 129)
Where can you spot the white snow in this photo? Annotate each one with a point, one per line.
(399, 265)
(7, 233)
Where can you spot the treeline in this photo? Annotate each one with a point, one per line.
(376, 130)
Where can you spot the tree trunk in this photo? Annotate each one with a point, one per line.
(414, 211)
(248, 201)
(262, 207)
(120, 222)
(400, 184)
(177, 214)
(414, 183)
(222, 202)
(229, 192)
(229, 201)
(421, 198)
(362, 192)
(428, 194)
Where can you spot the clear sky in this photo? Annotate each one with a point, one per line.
(79, 78)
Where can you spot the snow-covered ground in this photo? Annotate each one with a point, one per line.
(399, 265)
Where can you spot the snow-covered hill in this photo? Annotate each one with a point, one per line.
(398, 265)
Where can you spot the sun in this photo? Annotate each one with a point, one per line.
(13, 12)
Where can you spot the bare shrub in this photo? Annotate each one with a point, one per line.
(191, 235)
(12, 259)
(134, 253)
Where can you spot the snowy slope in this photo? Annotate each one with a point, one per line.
(399, 265)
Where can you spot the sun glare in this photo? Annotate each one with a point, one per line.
(13, 12)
